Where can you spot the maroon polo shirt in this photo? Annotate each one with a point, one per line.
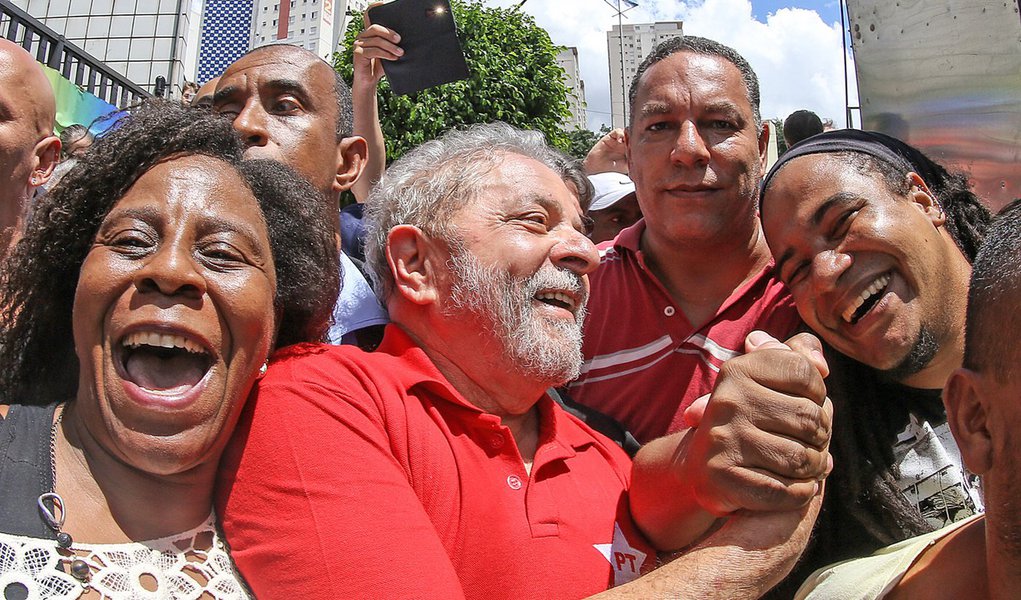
(644, 362)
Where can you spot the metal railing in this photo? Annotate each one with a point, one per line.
(74, 64)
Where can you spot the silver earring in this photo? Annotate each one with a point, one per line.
(262, 369)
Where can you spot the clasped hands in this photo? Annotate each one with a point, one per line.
(760, 441)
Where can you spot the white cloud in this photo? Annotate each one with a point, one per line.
(796, 55)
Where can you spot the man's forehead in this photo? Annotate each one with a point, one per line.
(686, 70)
(279, 63)
(21, 78)
(522, 174)
(526, 180)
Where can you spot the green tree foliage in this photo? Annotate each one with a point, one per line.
(582, 141)
(514, 78)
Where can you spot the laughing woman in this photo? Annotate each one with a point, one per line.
(148, 291)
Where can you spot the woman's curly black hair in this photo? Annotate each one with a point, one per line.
(38, 281)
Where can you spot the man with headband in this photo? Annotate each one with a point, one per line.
(875, 241)
(976, 557)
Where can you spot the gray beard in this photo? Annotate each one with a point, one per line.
(549, 350)
(919, 357)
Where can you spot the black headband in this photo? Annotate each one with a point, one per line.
(885, 148)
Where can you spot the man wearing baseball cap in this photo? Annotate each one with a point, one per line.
(614, 206)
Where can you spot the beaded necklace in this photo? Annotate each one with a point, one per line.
(79, 568)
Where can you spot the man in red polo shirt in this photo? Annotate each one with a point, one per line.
(439, 467)
(676, 293)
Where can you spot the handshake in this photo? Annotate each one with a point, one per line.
(756, 453)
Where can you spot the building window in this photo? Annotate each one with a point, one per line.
(302, 32)
(312, 30)
(313, 14)
(274, 22)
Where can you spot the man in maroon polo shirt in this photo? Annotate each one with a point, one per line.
(439, 467)
(676, 293)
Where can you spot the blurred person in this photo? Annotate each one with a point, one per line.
(875, 241)
(75, 141)
(461, 477)
(608, 154)
(138, 310)
(188, 92)
(890, 123)
(373, 44)
(28, 149)
(204, 96)
(977, 557)
(677, 293)
(614, 206)
(290, 105)
(801, 124)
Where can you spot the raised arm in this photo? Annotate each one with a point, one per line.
(374, 44)
(607, 155)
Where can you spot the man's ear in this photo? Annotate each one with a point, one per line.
(969, 419)
(47, 155)
(351, 154)
(925, 200)
(764, 147)
(627, 147)
(416, 263)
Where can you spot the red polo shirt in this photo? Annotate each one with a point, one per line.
(357, 475)
(644, 362)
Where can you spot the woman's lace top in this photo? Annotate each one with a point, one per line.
(189, 565)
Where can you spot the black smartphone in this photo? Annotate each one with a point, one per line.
(432, 52)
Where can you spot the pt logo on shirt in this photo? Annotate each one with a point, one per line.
(626, 561)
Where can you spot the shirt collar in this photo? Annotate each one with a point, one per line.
(558, 436)
(630, 238)
(416, 368)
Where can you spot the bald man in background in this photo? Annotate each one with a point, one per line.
(28, 148)
(204, 97)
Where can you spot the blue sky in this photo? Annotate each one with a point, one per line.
(794, 45)
(829, 10)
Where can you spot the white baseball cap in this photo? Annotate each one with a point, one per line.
(610, 187)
